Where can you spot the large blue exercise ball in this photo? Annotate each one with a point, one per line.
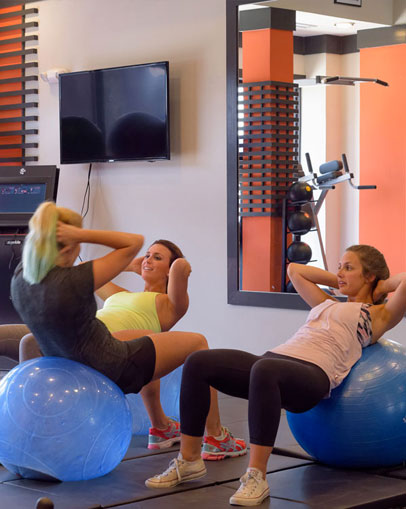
(63, 420)
(363, 423)
(170, 391)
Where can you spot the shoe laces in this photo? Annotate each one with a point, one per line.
(173, 465)
(250, 480)
(227, 432)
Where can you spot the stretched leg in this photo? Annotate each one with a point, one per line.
(10, 337)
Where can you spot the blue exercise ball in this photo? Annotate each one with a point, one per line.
(63, 420)
(363, 423)
(170, 391)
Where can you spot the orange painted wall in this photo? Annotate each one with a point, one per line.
(383, 153)
(267, 55)
(5, 48)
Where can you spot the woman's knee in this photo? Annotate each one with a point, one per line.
(197, 362)
(264, 373)
(200, 341)
(29, 348)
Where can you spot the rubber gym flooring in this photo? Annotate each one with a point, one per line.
(296, 481)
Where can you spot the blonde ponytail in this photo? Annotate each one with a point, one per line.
(41, 250)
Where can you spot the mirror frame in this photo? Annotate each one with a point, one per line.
(235, 295)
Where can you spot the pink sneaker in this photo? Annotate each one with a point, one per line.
(214, 449)
(164, 438)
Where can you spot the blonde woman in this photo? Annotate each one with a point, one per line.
(158, 308)
(56, 300)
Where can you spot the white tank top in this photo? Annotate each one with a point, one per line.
(328, 339)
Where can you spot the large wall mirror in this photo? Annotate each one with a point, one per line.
(323, 67)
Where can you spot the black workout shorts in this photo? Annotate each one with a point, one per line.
(140, 365)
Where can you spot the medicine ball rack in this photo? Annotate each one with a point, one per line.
(331, 174)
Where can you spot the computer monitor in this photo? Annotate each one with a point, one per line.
(22, 189)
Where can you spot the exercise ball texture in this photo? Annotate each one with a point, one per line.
(170, 391)
(363, 423)
(63, 420)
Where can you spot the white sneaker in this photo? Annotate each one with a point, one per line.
(253, 490)
(179, 471)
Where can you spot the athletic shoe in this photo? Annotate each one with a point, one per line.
(164, 438)
(179, 471)
(214, 449)
(253, 490)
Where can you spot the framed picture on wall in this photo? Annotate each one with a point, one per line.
(356, 3)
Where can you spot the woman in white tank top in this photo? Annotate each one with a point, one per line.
(295, 375)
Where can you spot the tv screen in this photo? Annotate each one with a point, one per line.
(115, 114)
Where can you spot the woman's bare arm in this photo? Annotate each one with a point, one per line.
(386, 316)
(125, 246)
(135, 265)
(177, 287)
(305, 279)
(109, 289)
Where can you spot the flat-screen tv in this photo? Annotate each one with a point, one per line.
(115, 114)
(22, 189)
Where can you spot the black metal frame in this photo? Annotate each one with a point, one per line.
(235, 295)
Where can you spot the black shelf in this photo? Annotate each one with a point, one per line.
(10, 120)
(18, 93)
(18, 145)
(21, 132)
(14, 67)
(25, 38)
(20, 53)
(20, 26)
(20, 79)
(17, 106)
(14, 14)
(18, 159)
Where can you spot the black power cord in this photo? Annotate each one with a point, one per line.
(86, 196)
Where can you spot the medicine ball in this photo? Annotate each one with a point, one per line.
(299, 252)
(299, 222)
(300, 192)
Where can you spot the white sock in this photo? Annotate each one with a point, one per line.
(254, 469)
(180, 457)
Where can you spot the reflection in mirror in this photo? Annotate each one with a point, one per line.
(299, 119)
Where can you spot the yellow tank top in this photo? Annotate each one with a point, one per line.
(129, 310)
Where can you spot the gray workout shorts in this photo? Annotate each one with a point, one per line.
(140, 365)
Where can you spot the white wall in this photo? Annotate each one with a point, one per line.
(183, 199)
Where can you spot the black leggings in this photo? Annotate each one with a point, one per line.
(270, 382)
